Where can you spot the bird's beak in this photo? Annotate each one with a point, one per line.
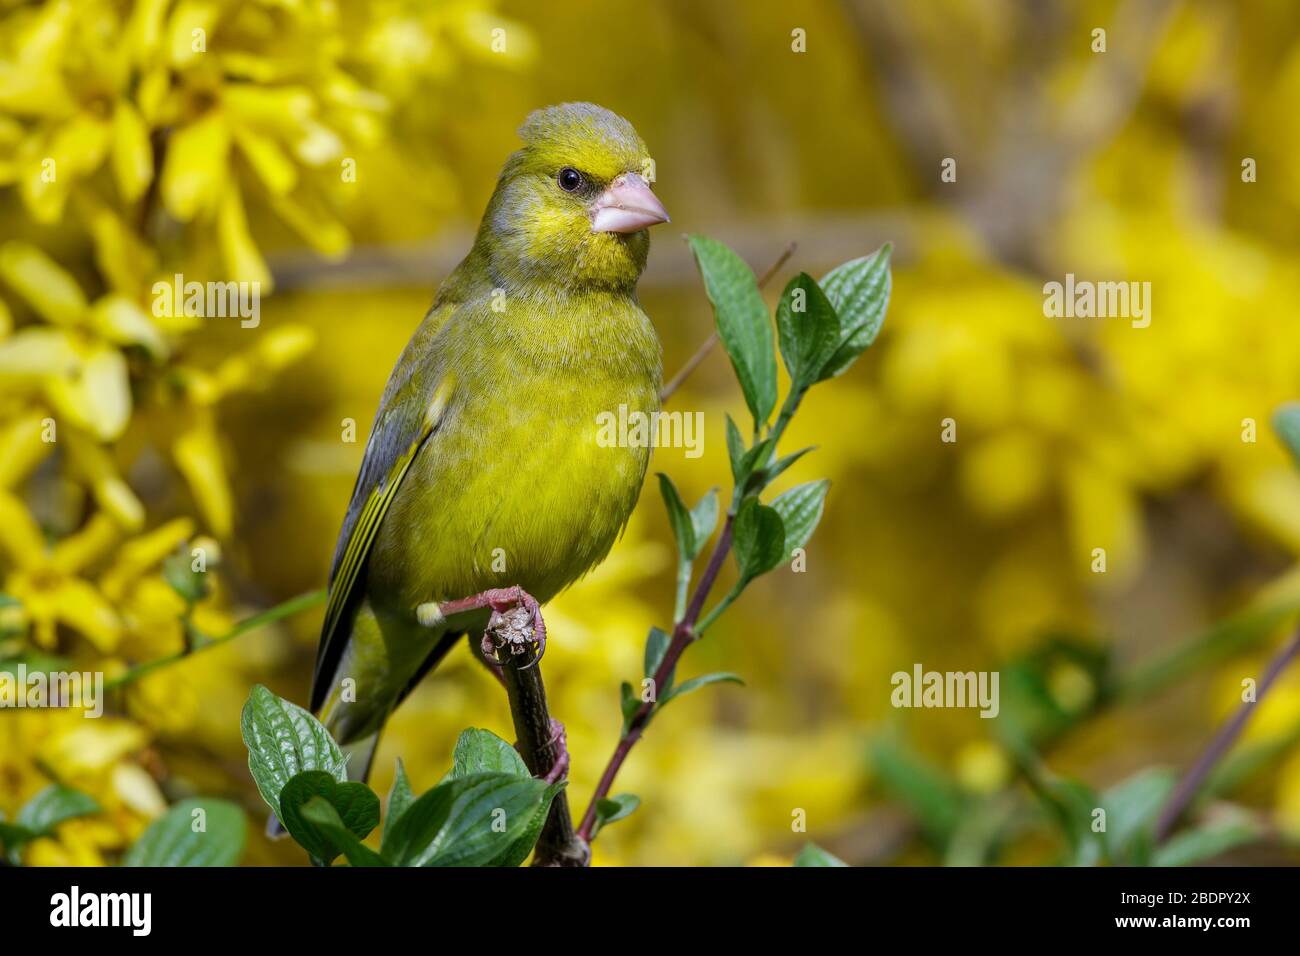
(627, 205)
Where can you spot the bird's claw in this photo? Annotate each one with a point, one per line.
(516, 623)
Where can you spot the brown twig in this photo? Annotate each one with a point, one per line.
(683, 635)
(703, 351)
(1222, 742)
(542, 748)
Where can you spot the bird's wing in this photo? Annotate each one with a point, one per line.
(409, 414)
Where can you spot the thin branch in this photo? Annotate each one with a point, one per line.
(683, 635)
(289, 608)
(1222, 742)
(703, 351)
(541, 744)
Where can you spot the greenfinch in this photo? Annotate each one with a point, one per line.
(483, 471)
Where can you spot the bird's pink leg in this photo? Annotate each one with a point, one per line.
(516, 621)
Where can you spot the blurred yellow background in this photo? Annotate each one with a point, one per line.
(341, 153)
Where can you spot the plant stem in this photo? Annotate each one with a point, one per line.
(703, 351)
(683, 635)
(1222, 742)
(542, 750)
(281, 611)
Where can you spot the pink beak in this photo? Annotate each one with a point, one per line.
(627, 205)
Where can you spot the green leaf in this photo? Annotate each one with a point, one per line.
(178, 572)
(1072, 804)
(1286, 422)
(324, 819)
(469, 821)
(680, 519)
(695, 683)
(800, 509)
(8, 600)
(1132, 807)
(704, 519)
(519, 850)
(808, 330)
(12, 839)
(656, 646)
(1193, 846)
(52, 806)
(612, 809)
(933, 798)
(859, 292)
(772, 471)
(356, 804)
(743, 322)
(172, 839)
(283, 740)
(759, 540)
(399, 796)
(813, 855)
(629, 704)
(735, 448)
(481, 751)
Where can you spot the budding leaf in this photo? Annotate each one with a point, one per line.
(743, 322)
(808, 330)
(680, 520)
(859, 292)
(759, 539)
(695, 683)
(610, 809)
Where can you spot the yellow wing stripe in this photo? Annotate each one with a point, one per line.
(373, 514)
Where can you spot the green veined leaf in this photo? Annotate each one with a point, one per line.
(468, 821)
(800, 509)
(859, 291)
(518, 851)
(481, 751)
(399, 796)
(808, 330)
(52, 806)
(743, 322)
(283, 740)
(213, 836)
(356, 804)
(324, 819)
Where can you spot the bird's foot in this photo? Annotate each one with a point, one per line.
(516, 622)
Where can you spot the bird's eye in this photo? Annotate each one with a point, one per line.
(569, 179)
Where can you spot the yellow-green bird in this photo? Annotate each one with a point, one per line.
(483, 470)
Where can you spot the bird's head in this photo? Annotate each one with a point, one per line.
(573, 205)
